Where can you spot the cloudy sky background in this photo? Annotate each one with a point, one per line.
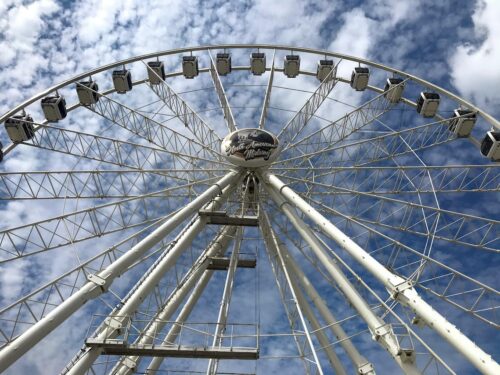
(451, 43)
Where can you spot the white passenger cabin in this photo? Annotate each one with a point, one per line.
(190, 66)
(87, 92)
(394, 89)
(156, 72)
(54, 108)
(291, 66)
(324, 69)
(223, 63)
(122, 80)
(258, 63)
(20, 128)
(427, 104)
(490, 146)
(359, 78)
(462, 122)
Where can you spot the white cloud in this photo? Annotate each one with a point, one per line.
(474, 68)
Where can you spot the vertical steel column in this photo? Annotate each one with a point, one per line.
(220, 327)
(154, 275)
(99, 284)
(381, 331)
(400, 289)
(217, 247)
(272, 245)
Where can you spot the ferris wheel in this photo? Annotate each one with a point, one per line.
(250, 209)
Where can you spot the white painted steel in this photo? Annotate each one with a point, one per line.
(154, 275)
(399, 288)
(217, 248)
(381, 331)
(282, 254)
(14, 350)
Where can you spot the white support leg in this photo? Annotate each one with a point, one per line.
(400, 289)
(15, 349)
(218, 247)
(172, 335)
(381, 331)
(154, 275)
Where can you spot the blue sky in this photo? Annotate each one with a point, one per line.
(451, 43)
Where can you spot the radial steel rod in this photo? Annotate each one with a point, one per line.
(381, 331)
(400, 289)
(101, 282)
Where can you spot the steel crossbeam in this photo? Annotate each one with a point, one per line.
(84, 359)
(149, 336)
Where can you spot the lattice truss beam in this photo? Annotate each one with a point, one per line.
(80, 184)
(336, 131)
(181, 109)
(402, 179)
(113, 151)
(372, 150)
(462, 291)
(151, 130)
(298, 122)
(411, 216)
(413, 352)
(91, 222)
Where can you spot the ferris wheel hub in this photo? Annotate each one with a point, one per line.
(251, 148)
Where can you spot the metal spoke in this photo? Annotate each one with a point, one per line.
(85, 224)
(92, 184)
(180, 108)
(149, 129)
(221, 93)
(296, 125)
(376, 149)
(394, 180)
(112, 151)
(456, 227)
(267, 97)
(338, 130)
